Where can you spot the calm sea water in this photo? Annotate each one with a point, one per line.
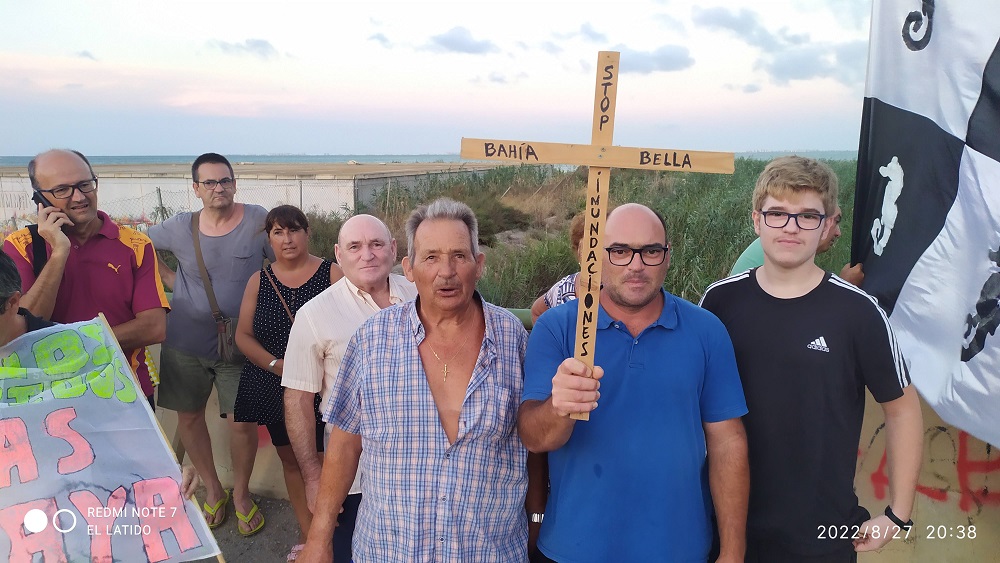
(367, 158)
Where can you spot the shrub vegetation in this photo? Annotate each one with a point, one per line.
(524, 214)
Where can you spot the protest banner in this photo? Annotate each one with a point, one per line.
(85, 472)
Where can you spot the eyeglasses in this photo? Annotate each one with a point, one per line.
(807, 221)
(651, 255)
(66, 192)
(226, 183)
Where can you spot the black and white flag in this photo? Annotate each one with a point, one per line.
(927, 211)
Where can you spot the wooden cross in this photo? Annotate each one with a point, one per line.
(600, 156)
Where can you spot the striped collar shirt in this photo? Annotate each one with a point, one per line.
(425, 499)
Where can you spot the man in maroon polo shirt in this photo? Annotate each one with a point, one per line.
(93, 265)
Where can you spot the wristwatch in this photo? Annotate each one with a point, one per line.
(536, 517)
(270, 366)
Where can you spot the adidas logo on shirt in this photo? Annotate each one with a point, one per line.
(818, 344)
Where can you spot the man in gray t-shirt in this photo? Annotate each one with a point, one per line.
(234, 245)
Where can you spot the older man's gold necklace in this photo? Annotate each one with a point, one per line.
(466, 341)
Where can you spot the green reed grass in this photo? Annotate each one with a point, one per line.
(708, 221)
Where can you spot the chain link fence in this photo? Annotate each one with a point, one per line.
(142, 202)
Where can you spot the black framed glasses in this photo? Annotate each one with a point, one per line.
(226, 183)
(66, 191)
(807, 221)
(651, 255)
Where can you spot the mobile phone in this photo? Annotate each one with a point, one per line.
(37, 198)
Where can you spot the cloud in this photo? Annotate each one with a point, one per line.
(460, 40)
(786, 56)
(86, 55)
(497, 77)
(260, 48)
(667, 58)
(592, 34)
(551, 48)
(852, 61)
(843, 62)
(850, 11)
(745, 88)
(586, 31)
(381, 39)
(744, 24)
(669, 23)
(792, 38)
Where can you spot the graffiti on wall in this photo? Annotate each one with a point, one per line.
(957, 468)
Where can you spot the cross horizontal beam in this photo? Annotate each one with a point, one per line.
(675, 160)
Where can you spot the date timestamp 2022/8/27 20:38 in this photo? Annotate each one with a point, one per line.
(939, 532)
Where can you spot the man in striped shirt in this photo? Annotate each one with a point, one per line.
(426, 401)
(807, 344)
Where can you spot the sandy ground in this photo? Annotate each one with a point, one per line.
(280, 533)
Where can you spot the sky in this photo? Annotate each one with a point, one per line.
(379, 77)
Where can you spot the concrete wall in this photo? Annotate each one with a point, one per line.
(144, 201)
(267, 479)
(959, 485)
(141, 200)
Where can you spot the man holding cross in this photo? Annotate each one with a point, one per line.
(668, 429)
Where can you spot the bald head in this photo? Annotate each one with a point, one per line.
(366, 251)
(627, 213)
(362, 223)
(54, 157)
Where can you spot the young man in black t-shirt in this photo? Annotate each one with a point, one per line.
(807, 344)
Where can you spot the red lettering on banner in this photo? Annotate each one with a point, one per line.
(15, 451)
(166, 490)
(87, 503)
(23, 546)
(57, 426)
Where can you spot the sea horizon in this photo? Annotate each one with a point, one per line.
(22, 160)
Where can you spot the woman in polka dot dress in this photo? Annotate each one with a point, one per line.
(262, 334)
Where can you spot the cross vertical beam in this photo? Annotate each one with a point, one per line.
(605, 96)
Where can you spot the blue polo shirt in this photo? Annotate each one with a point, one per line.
(631, 484)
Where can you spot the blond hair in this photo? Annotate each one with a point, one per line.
(796, 174)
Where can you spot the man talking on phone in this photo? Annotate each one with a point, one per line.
(89, 264)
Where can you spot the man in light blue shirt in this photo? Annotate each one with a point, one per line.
(426, 402)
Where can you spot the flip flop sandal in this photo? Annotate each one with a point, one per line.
(246, 518)
(294, 553)
(213, 510)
